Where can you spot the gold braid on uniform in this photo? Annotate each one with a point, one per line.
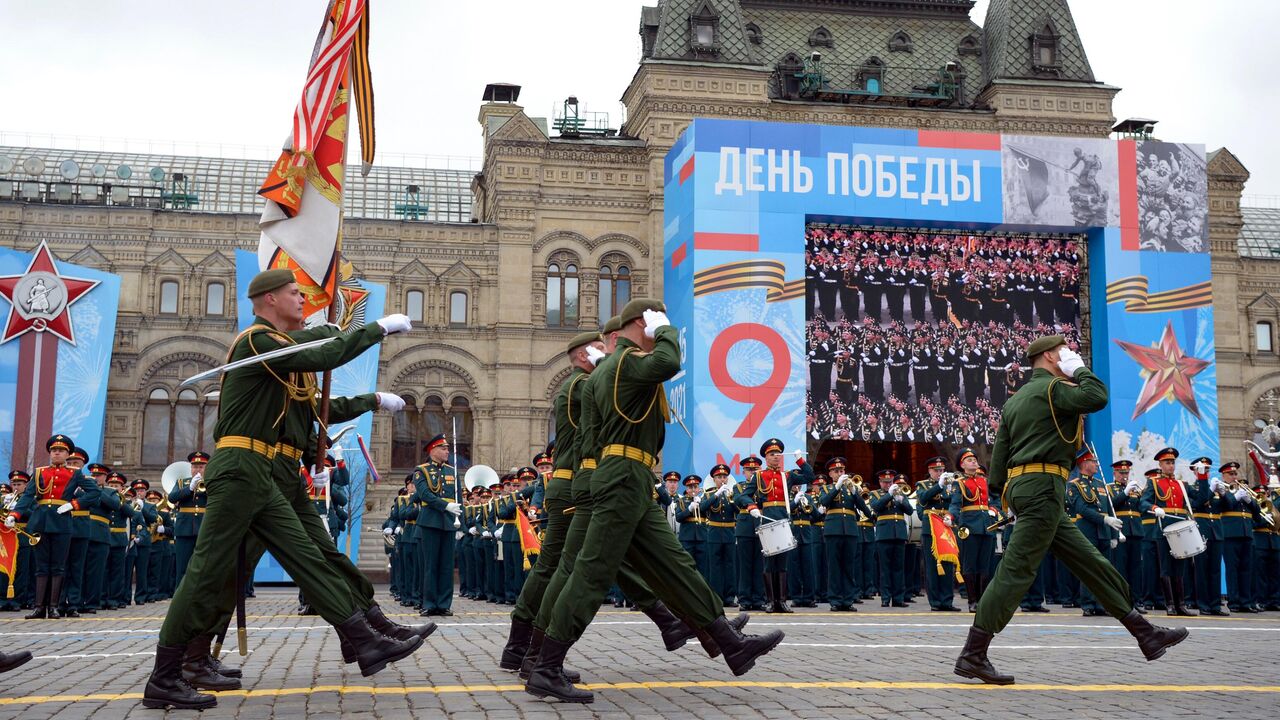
(569, 398)
(658, 393)
(299, 387)
(42, 489)
(964, 494)
(1074, 442)
(1085, 490)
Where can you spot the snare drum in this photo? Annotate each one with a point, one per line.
(1184, 539)
(775, 537)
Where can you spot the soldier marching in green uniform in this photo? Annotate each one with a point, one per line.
(843, 501)
(933, 497)
(140, 537)
(189, 500)
(1041, 428)
(407, 547)
(1090, 502)
(160, 528)
(243, 496)
(117, 579)
(81, 530)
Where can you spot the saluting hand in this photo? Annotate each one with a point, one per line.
(1069, 361)
(654, 319)
(594, 355)
(390, 402)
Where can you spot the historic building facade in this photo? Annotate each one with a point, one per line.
(555, 233)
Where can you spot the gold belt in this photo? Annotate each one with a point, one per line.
(1126, 513)
(1175, 511)
(973, 508)
(629, 453)
(1235, 515)
(79, 513)
(882, 518)
(800, 523)
(1212, 516)
(120, 530)
(241, 442)
(842, 511)
(1038, 468)
(864, 523)
(410, 522)
(717, 523)
(196, 510)
(100, 519)
(52, 502)
(288, 451)
(563, 474)
(587, 464)
(775, 503)
(507, 522)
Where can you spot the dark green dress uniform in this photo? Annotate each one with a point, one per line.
(693, 524)
(1151, 594)
(243, 495)
(719, 513)
(749, 558)
(51, 488)
(93, 595)
(891, 540)
(389, 527)
(142, 545)
(190, 508)
(803, 566)
(843, 542)
(436, 486)
(933, 499)
(1266, 555)
(1091, 504)
(1207, 566)
(117, 578)
(469, 588)
(81, 532)
(1128, 556)
(866, 574)
(512, 551)
(407, 549)
(1239, 513)
(494, 569)
(160, 528)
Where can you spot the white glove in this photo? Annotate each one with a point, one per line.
(159, 529)
(399, 531)
(799, 454)
(755, 513)
(1114, 544)
(473, 531)
(946, 520)
(395, 323)
(487, 534)
(895, 489)
(137, 503)
(724, 490)
(1158, 512)
(64, 508)
(319, 478)
(454, 508)
(1216, 484)
(595, 355)
(457, 535)
(1133, 486)
(1242, 495)
(842, 480)
(10, 521)
(654, 319)
(498, 535)
(390, 402)
(822, 509)
(388, 531)
(1113, 523)
(1069, 362)
(337, 452)
(195, 480)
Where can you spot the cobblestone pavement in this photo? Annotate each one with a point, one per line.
(875, 663)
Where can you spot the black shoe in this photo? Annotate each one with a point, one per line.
(709, 645)
(166, 688)
(840, 608)
(1036, 609)
(432, 612)
(373, 650)
(70, 612)
(674, 632)
(1271, 607)
(444, 612)
(898, 603)
(9, 661)
(517, 645)
(39, 613)
(547, 677)
(54, 612)
(973, 662)
(88, 611)
(1219, 612)
(1153, 640)
(395, 630)
(225, 670)
(741, 651)
(199, 672)
(307, 610)
(531, 659)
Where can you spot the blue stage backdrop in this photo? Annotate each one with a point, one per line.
(355, 378)
(739, 196)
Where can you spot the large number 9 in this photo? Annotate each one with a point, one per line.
(760, 397)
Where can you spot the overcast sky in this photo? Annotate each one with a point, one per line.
(230, 72)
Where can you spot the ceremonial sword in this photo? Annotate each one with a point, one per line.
(261, 357)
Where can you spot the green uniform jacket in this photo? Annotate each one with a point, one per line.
(744, 526)
(891, 523)
(100, 515)
(1127, 510)
(930, 495)
(632, 407)
(719, 513)
(1265, 536)
(45, 518)
(843, 505)
(1089, 501)
(407, 516)
(1034, 431)
(187, 523)
(1207, 505)
(120, 519)
(693, 526)
(143, 520)
(1239, 517)
(435, 487)
(568, 412)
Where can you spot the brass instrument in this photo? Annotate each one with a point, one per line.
(963, 532)
(32, 540)
(1265, 506)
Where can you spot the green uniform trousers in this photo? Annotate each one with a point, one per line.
(553, 536)
(1043, 526)
(243, 497)
(293, 492)
(627, 525)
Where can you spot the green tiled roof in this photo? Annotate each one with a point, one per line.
(1009, 26)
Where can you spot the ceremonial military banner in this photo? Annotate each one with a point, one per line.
(360, 302)
(55, 354)
(744, 201)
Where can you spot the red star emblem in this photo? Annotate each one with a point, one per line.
(40, 299)
(1168, 372)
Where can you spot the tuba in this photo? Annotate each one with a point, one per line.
(175, 472)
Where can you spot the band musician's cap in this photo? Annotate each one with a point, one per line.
(772, 445)
(817, 480)
(612, 325)
(965, 453)
(1229, 467)
(719, 469)
(671, 475)
(1151, 473)
(268, 280)
(19, 475)
(582, 339)
(1206, 462)
(1167, 454)
(527, 473)
(6, 488)
(936, 461)
(543, 459)
(635, 309)
(80, 453)
(61, 442)
(1121, 465)
(1083, 455)
(694, 480)
(1044, 344)
(436, 442)
(155, 492)
(139, 484)
(98, 469)
(886, 475)
(408, 479)
(198, 456)
(751, 461)
(116, 477)
(835, 462)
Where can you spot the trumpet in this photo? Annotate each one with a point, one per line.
(963, 532)
(32, 540)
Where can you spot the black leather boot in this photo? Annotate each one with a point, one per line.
(780, 591)
(1170, 607)
(1153, 640)
(225, 670)
(9, 661)
(373, 650)
(517, 645)
(199, 672)
(973, 662)
(741, 651)
(378, 621)
(709, 643)
(548, 678)
(531, 659)
(41, 610)
(768, 592)
(167, 688)
(55, 596)
(674, 632)
(1178, 603)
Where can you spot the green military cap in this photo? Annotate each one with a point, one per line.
(1044, 344)
(613, 325)
(582, 339)
(268, 280)
(636, 308)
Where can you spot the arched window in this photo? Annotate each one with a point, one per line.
(1044, 49)
(900, 42)
(155, 428)
(614, 286)
(458, 308)
(215, 297)
(821, 37)
(406, 436)
(562, 291)
(169, 297)
(1263, 331)
(433, 419)
(753, 34)
(186, 424)
(413, 305)
(871, 75)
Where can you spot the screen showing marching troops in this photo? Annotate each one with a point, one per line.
(919, 336)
